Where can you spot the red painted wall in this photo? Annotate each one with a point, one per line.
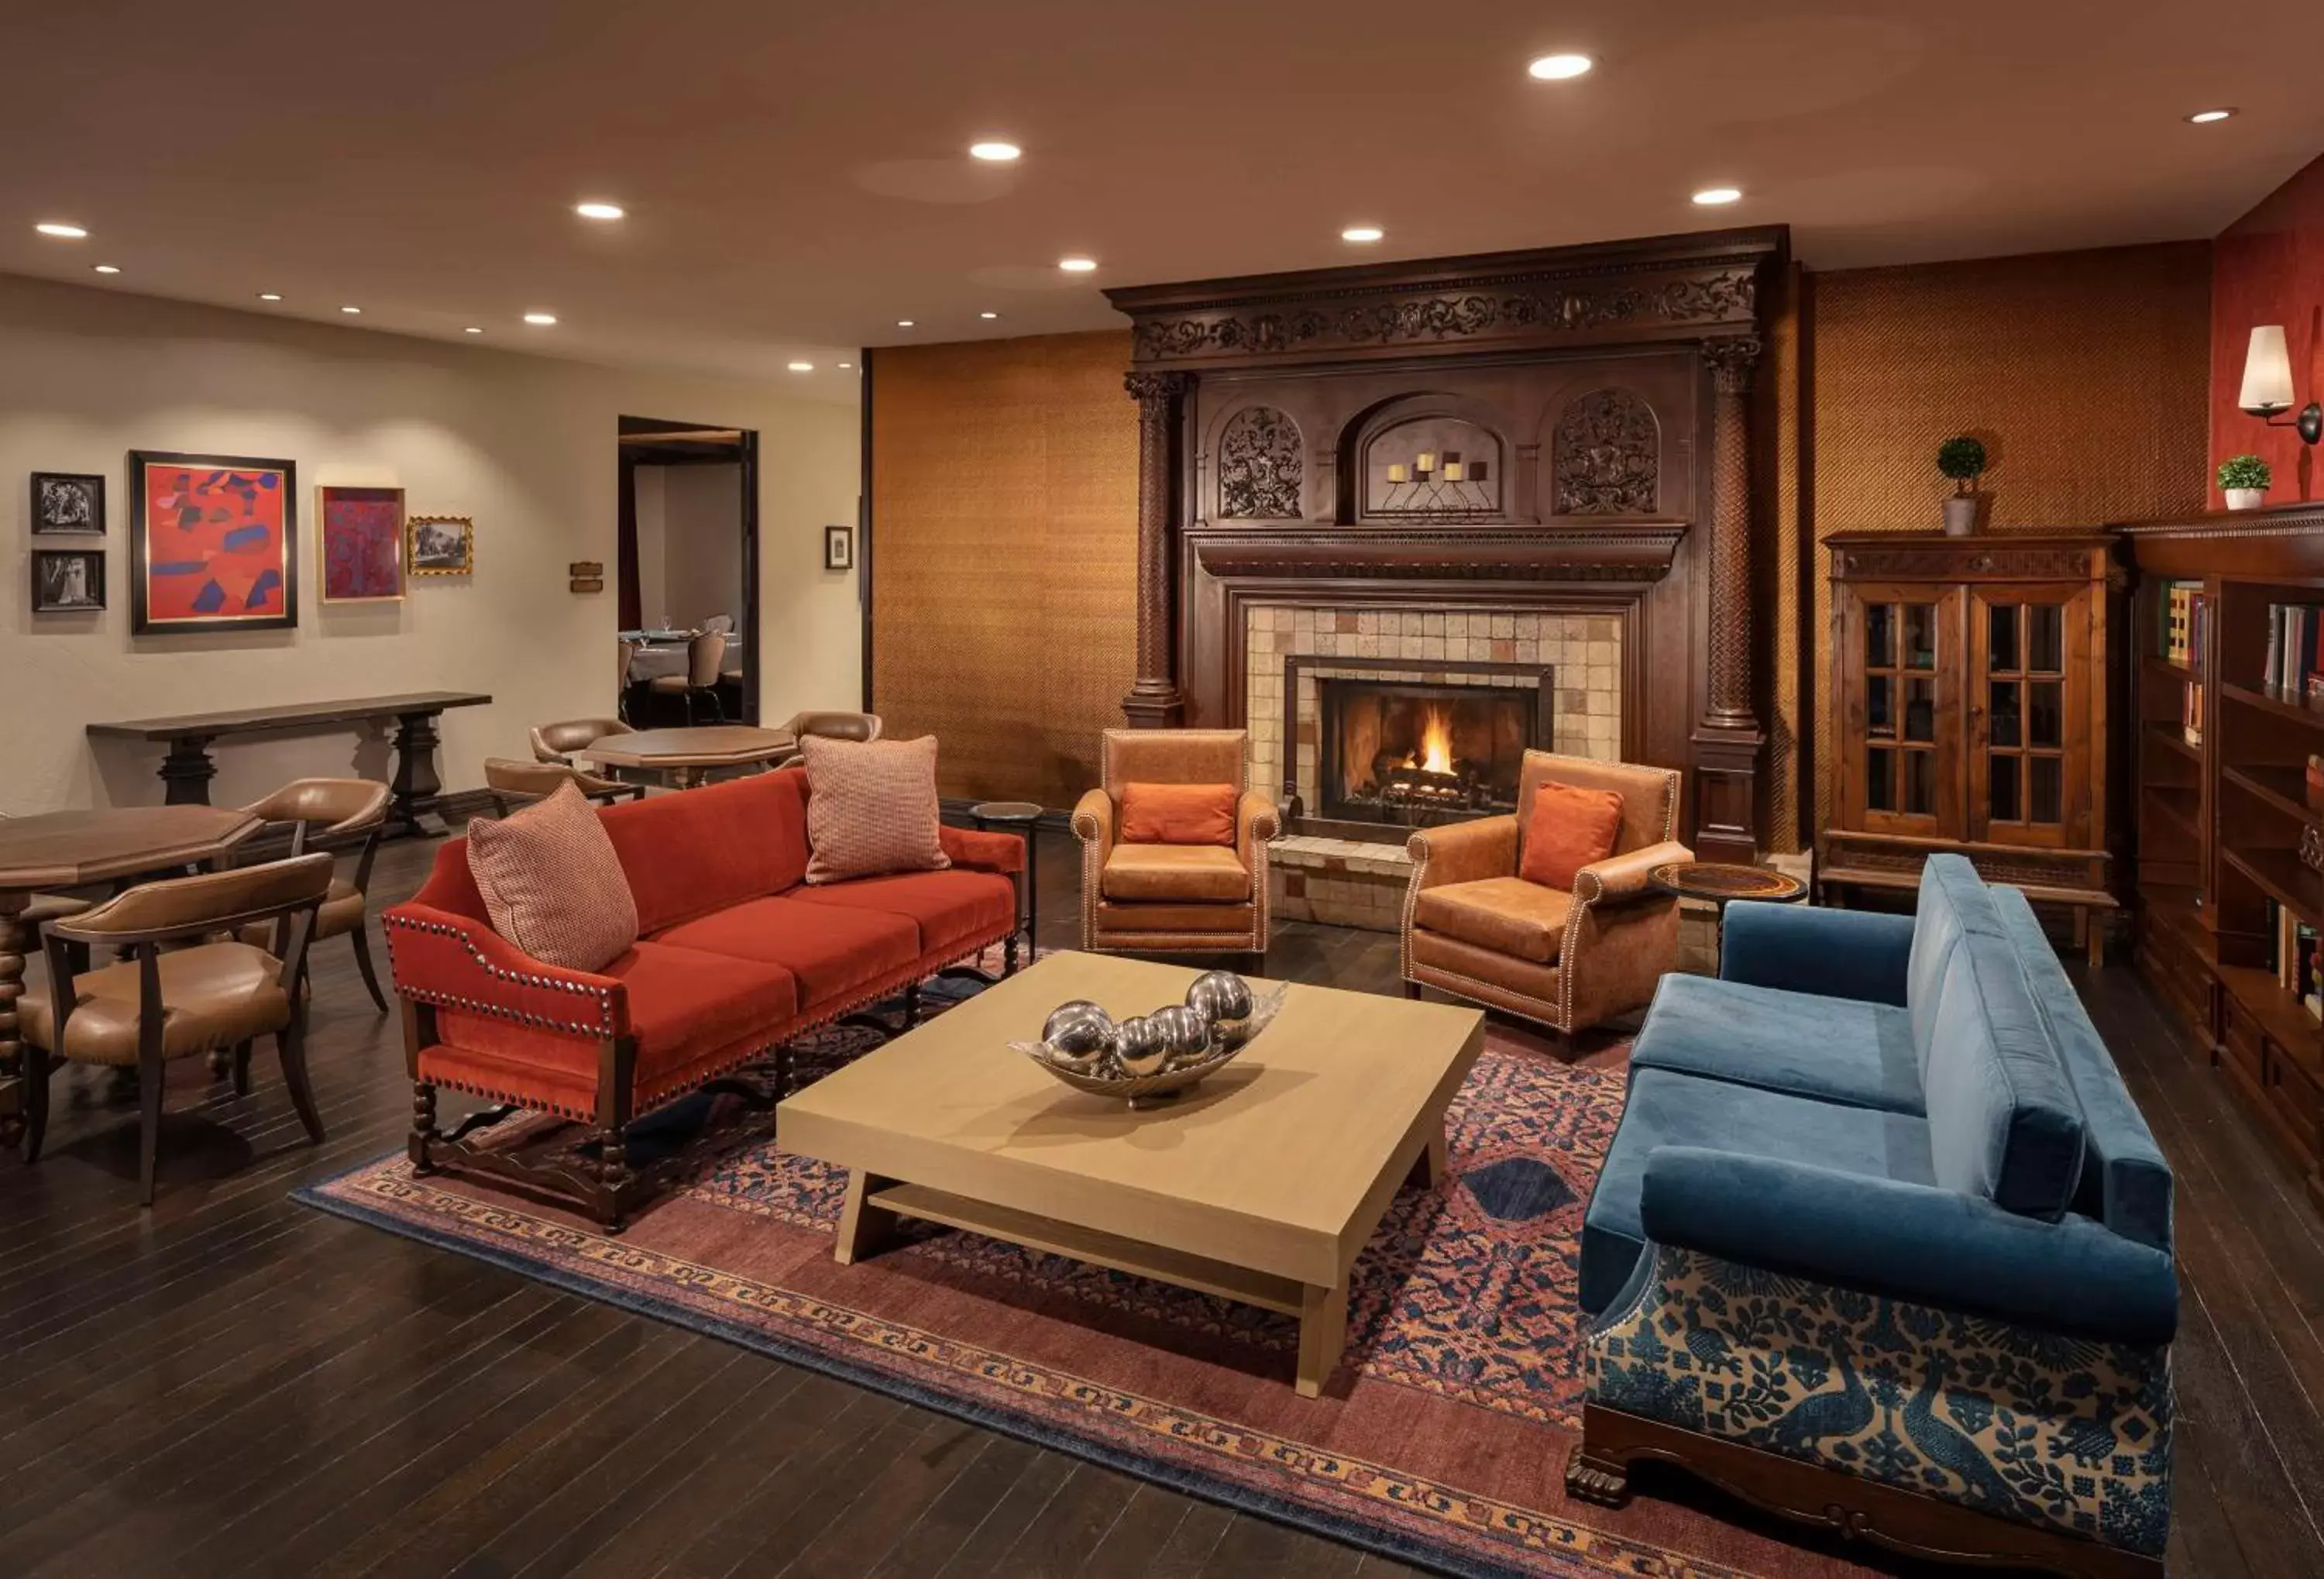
(2268, 268)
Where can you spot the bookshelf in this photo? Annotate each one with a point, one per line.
(2225, 906)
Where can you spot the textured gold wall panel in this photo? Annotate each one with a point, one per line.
(2084, 373)
(1004, 507)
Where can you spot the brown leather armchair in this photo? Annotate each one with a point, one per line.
(162, 1004)
(557, 743)
(856, 727)
(512, 780)
(1173, 899)
(338, 808)
(1474, 928)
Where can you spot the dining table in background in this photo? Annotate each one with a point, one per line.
(683, 756)
(71, 849)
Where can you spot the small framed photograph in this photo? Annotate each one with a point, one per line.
(67, 503)
(68, 581)
(442, 545)
(839, 547)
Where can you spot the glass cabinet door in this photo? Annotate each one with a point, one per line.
(1903, 767)
(2029, 715)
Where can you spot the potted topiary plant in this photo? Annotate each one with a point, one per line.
(1963, 460)
(2244, 479)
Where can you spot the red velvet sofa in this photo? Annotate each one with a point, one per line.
(736, 955)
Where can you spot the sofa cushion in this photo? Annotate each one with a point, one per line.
(1508, 915)
(1174, 872)
(1178, 813)
(553, 883)
(1670, 1109)
(951, 909)
(837, 953)
(2125, 1183)
(872, 808)
(1952, 902)
(687, 855)
(1568, 827)
(2002, 1121)
(1833, 1050)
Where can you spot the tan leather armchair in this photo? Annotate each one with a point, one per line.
(856, 727)
(1475, 929)
(512, 781)
(1174, 898)
(557, 743)
(334, 808)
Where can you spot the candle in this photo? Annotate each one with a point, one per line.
(1451, 471)
(1398, 472)
(1424, 462)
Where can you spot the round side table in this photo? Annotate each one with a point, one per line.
(1722, 882)
(1024, 816)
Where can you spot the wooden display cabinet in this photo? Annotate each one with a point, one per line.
(1970, 705)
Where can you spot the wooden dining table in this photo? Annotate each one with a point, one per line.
(683, 757)
(68, 849)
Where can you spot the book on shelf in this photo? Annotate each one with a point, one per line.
(2292, 666)
(2314, 778)
(2190, 715)
(2177, 627)
(2296, 957)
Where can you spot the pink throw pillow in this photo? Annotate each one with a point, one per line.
(872, 808)
(552, 883)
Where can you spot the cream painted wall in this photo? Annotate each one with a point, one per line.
(524, 444)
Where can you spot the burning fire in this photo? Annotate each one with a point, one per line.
(1436, 754)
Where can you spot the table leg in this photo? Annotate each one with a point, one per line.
(863, 1228)
(187, 773)
(1429, 1168)
(416, 785)
(1032, 896)
(16, 939)
(1323, 1334)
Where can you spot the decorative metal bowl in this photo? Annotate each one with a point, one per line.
(1103, 1073)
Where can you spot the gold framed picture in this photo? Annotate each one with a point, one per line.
(440, 545)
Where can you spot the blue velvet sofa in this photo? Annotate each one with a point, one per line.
(1883, 1243)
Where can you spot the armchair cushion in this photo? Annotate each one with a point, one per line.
(552, 883)
(1508, 915)
(1568, 828)
(1143, 872)
(213, 996)
(1178, 813)
(1834, 953)
(1801, 1044)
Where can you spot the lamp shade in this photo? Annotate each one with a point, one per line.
(2267, 372)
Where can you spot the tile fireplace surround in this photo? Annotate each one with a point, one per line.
(1353, 884)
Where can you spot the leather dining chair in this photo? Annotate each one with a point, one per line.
(510, 781)
(162, 1004)
(622, 683)
(334, 808)
(856, 727)
(706, 652)
(557, 743)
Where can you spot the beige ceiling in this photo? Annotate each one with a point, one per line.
(797, 181)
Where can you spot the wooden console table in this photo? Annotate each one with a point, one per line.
(187, 770)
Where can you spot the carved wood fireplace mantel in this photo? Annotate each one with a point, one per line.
(1560, 431)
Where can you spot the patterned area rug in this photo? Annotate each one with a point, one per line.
(1441, 1440)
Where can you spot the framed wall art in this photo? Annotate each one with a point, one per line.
(68, 504)
(68, 581)
(839, 547)
(442, 545)
(359, 542)
(213, 543)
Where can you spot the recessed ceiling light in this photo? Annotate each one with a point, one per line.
(1712, 197)
(108, 268)
(1560, 68)
(988, 315)
(270, 296)
(1077, 265)
(802, 366)
(903, 323)
(351, 310)
(2205, 117)
(1362, 233)
(60, 230)
(994, 153)
(472, 330)
(594, 210)
(843, 367)
(540, 319)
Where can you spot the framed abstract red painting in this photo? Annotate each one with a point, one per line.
(213, 543)
(359, 539)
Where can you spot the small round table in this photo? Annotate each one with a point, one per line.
(1722, 882)
(1024, 816)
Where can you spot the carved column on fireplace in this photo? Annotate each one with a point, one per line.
(1154, 700)
(1727, 740)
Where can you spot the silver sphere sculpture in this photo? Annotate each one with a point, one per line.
(1186, 1033)
(1219, 995)
(1140, 1046)
(1078, 1028)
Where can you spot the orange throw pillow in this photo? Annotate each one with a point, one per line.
(1178, 813)
(1569, 828)
(552, 883)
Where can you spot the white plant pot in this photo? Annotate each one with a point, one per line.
(2245, 498)
(1960, 514)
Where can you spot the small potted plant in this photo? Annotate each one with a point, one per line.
(1963, 460)
(2244, 479)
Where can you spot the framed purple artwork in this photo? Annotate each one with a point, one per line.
(359, 539)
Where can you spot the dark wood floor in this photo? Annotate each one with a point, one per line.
(232, 1384)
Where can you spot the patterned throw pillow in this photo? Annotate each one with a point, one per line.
(552, 883)
(871, 807)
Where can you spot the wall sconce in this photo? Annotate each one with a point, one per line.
(2267, 384)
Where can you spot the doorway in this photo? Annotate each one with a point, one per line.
(687, 554)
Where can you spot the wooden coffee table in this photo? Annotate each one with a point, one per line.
(1261, 1185)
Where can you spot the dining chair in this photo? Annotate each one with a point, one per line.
(856, 727)
(622, 685)
(723, 625)
(162, 1004)
(557, 743)
(334, 808)
(512, 780)
(704, 653)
